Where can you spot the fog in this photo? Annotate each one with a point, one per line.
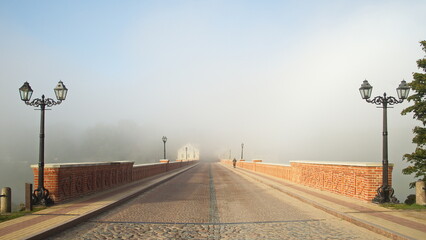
(282, 77)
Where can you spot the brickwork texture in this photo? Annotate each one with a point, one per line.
(69, 181)
(359, 181)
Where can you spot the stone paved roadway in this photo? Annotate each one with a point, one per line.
(211, 202)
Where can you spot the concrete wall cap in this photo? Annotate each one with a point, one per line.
(274, 164)
(82, 164)
(148, 164)
(358, 164)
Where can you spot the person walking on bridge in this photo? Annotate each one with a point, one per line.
(234, 162)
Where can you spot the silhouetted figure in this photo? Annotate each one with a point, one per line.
(234, 162)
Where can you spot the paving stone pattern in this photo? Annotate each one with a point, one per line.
(185, 208)
(285, 230)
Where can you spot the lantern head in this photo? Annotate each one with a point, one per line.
(61, 91)
(403, 90)
(365, 90)
(25, 91)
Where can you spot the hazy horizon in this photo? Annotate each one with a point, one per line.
(282, 77)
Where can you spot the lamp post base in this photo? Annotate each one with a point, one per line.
(41, 197)
(385, 195)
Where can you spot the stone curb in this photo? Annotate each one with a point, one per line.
(71, 223)
(361, 223)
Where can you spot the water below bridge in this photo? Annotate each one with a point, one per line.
(211, 201)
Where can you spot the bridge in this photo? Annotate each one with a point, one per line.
(213, 200)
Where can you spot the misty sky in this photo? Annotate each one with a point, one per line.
(280, 76)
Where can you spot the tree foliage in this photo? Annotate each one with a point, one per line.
(417, 159)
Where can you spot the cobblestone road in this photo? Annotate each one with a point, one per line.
(211, 202)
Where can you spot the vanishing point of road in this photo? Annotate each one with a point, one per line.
(211, 201)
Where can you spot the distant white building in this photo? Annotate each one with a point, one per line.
(188, 152)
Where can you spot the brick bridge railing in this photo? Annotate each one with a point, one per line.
(67, 181)
(357, 179)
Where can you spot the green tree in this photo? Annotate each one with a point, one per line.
(417, 159)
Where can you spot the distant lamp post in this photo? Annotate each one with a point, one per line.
(186, 155)
(242, 150)
(41, 194)
(385, 192)
(164, 141)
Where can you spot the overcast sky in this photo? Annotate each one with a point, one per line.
(280, 76)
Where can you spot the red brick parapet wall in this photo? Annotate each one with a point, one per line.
(358, 180)
(67, 181)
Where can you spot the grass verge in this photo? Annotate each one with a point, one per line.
(403, 206)
(13, 215)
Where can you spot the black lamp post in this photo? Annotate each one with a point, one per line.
(385, 192)
(41, 194)
(164, 141)
(242, 150)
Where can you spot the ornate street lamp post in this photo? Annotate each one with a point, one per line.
(41, 194)
(384, 192)
(242, 150)
(164, 141)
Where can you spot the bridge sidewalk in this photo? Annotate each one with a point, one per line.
(395, 224)
(57, 218)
